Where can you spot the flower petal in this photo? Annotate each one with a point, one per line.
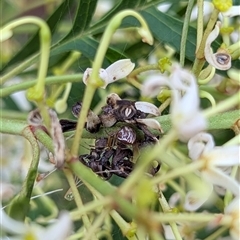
(195, 199)
(152, 85)
(232, 12)
(119, 69)
(224, 156)
(218, 177)
(147, 107)
(59, 230)
(199, 144)
(152, 123)
(221, 59)
(188, 125)
(102, 74)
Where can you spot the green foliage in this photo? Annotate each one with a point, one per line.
(76, 27)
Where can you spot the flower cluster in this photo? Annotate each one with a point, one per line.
(215, 160)
(186, 116)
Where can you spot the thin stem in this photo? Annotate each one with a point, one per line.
(166, 208)
(77, 197)
(181, 217)
(45, 39)
(209, 77)
(225, 36)
(96, 224)
(87, 99)
(180, 171)
(223, 106)
(185, 31)
(141, 69)
(48, 203)
(217, 233)
(204, 94)
(6, 91)
(176, 187)
(199, 61)
(18, 69)
(59, 70)
(228, 195)
(89, 207)
(164, 105)
(199, 23)
(123, 225)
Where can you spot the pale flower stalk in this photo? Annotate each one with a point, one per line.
(118, 70)
(233, 211)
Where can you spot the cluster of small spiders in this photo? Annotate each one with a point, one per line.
(117, 154)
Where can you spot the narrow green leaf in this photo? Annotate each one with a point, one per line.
(33, 44)
(88, 47)
(167, 29)
(83, 17)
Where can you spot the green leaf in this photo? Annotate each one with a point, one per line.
(88, 47)
(83, 18)
(33, 44)
(167, 29)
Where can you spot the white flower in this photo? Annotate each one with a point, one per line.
(199, 144)
(151, 87)
(233, 210)
(56, 231)
(196, 198)
(232, 12)
(186, 116)
(221, 59)
(185, 112)
(215, 158)
(118, 70)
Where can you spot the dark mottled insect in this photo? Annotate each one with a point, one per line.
(68, 125)
(92, 124)
(114, 154)
(99, 162)
(126, 135)
(121, 162)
